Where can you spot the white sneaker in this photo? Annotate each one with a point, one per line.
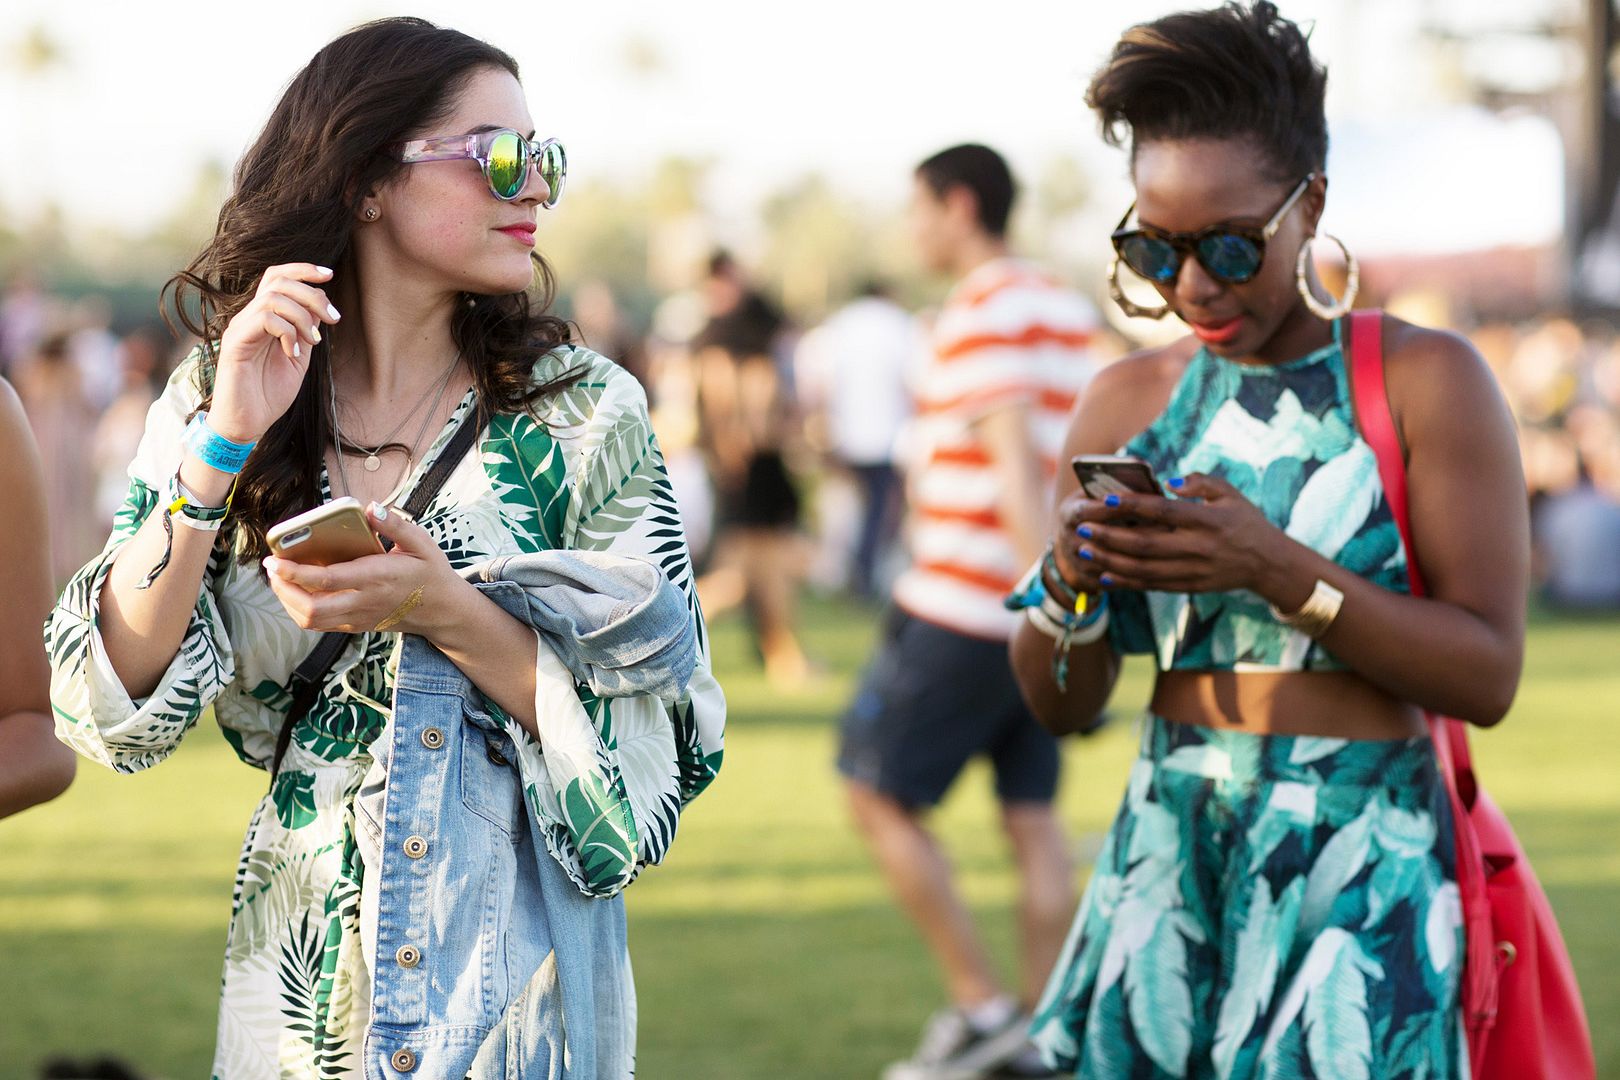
(952, 1049)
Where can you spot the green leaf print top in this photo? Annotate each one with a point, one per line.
(587, 475)
(1286, 437)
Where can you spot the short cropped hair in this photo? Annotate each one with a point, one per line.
(983, 172)
(1237, 70)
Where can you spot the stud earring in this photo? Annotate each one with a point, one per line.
(371, 213)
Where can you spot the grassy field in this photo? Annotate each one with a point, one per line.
(766, 948)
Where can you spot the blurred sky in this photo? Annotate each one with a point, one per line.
(857, 90)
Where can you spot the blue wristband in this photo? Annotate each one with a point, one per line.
(214, 449)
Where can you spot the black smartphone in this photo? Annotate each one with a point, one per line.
(1102, 475)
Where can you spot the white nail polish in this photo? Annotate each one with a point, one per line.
(332, 311)
(325, 270)
(297, 350)
(380, 510)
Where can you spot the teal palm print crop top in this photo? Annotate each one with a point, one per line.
(1286, 437)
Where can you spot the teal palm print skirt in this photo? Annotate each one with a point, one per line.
(1266, 906)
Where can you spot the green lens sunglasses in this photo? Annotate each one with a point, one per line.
(503, 154)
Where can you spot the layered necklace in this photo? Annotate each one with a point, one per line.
(372, 455)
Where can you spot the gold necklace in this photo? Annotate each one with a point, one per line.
(373, 462)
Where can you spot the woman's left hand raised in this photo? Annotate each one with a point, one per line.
(1207, 539)
(409, 589)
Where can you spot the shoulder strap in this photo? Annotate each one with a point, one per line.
(1378, 428)
(1481, 984)
(311, 674)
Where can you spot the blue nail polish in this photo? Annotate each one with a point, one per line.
(1106, 581)
(1084, 532)
(1177, 482)
(1112, 500)
(1084, 554)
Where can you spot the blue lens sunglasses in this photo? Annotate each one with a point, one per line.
(1230, 254)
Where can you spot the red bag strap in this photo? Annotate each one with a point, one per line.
(1378, 428)
(1481, 987)
(1378, 425)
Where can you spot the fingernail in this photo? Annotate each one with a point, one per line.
(379, 511)
(332, 311)
(1106, 581)
(297, 349)
(315, 335)
(1085, 554)
(324, 270)
(1112, 500)
(1177, 481)
(1084, 531)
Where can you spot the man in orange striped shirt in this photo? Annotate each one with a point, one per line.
(1010, 355)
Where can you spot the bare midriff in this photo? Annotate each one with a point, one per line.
(1338, 704)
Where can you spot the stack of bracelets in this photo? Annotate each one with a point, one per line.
(215, 451)
(1059, 611)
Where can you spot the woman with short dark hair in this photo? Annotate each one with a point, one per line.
(1277, 896)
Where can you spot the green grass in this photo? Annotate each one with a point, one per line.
(766, 947)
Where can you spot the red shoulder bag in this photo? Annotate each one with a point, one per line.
(1521, 1008)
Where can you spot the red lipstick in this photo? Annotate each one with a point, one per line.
(1217, 333)
(523, 232)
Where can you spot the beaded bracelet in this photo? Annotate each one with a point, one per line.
(213, 449)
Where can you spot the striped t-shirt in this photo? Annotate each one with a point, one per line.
(1006, 335)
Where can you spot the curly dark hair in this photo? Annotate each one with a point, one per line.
(1237, 70)
(333, 137)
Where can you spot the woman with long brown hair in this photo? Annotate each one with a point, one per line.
(366, 303)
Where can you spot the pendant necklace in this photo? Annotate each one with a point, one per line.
(373, 461)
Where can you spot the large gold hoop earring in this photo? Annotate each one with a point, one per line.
(1352, 281)
(1126, 304)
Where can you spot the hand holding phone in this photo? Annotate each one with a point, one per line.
(334, 532)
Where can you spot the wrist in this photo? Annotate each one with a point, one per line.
(1285, 576)
(219, 452)
(221, 423)
(448, 602)
(211, 486)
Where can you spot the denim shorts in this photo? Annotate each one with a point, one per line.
(932, 700)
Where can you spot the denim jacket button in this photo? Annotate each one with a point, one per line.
(403, 1061)
(415, 847)
(432, 738)
(408, 956)
(496, 756)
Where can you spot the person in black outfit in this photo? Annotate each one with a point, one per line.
(747, 416)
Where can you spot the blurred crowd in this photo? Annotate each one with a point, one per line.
(86, 387)
(786, 444)
(1562, 380)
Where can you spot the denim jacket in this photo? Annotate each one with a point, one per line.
(495, 943)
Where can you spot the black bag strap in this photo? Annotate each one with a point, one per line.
(310, 675)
